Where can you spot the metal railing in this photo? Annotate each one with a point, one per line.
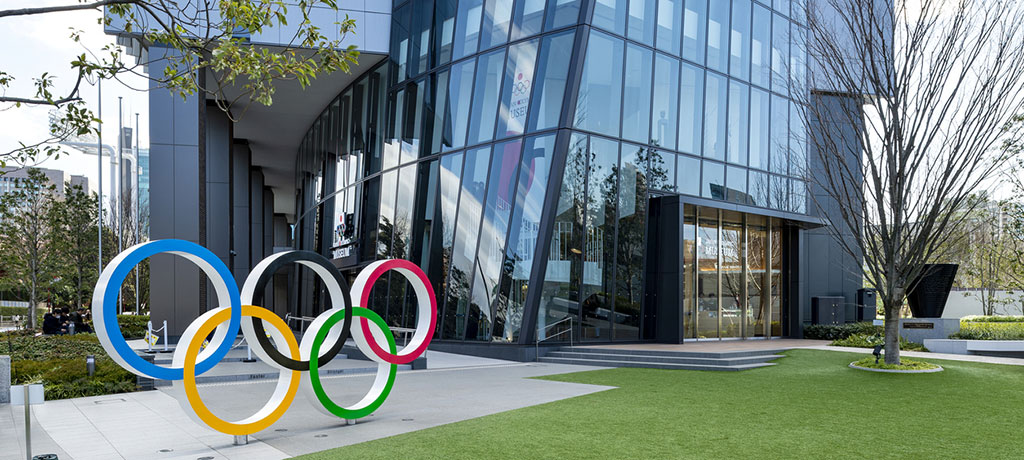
(545, 331)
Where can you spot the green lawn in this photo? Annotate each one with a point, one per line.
(809, 406)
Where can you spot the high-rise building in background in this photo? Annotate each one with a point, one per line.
(634, 168)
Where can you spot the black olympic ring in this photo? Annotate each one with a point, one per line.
(257, 297)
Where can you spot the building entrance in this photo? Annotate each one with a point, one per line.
(712, 273)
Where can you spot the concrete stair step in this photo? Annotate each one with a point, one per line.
(729, 361)
(681, 354)
(654, 365)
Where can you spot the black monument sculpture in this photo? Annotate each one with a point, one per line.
(930, 290)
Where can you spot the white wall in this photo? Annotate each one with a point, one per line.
(966, 303)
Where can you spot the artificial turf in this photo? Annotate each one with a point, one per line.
(810, 405)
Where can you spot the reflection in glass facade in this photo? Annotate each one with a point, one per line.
(511, 151)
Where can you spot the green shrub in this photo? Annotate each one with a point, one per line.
(133, 326)
(22, 346)
(69, 378)
(990, 331)
(873, 340)
(992, 319)
(840, 331)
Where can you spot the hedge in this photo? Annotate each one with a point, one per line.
(69, 378)
(990, 331)
(840, 331)
(992, 319)
(871, 341)
(133, 326)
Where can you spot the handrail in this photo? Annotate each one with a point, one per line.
(536, 345)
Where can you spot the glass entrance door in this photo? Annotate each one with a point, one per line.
(732, 272)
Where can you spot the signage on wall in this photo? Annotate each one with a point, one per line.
(239, 310)
(520, 102)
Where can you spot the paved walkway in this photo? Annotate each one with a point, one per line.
(930, 355)
(152, 425)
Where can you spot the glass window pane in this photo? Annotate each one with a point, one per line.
(560, 292)
(440, 131)
(691, 109)
(665, 105)
(467, 231)
(714, 116)
(599, 240)
(467, 28)
(779, 196)
(780, 55)
(636, 105)
(632, 242)
(413, 127)
(689, 271)
(759, 134)
(707, 273)
(718, 36)
(450, 173)
(732, 274)
(757, 292)
(444, 30)
(485, 101)
(737, 190)
(555, 54)
(759, 188)
(371, 207)
(739, 55)
(760, 47)
(497, 18)
(781, 6)
(516, 91)
(662, 173)
(641, 21)
(797, 142)
(780, 135)
(739, 106)
(798, 61)
(670, 25)
(714, 181)
(597, 106)
(777, 288)
(531, 190)
(501, 189)
(389, 186)
(460, 88)
(688, 178)
(797, 196)
(610, 15)
(400, 43)
(562, 13)
(420, 46)
(528, 18)
(694, 27)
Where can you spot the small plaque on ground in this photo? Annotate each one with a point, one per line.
(909, 325)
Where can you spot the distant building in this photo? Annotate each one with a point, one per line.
(12, 177)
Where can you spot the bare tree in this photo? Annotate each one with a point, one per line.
(911, 100)
(210, 56)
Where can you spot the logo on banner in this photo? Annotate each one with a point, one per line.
(276, 345)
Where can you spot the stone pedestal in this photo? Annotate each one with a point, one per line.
(918, 329)
(5, 379)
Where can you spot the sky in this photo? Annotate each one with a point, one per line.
(37, 44)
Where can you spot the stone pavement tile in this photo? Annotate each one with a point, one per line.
(12, 434)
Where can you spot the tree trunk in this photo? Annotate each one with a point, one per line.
(892, 332)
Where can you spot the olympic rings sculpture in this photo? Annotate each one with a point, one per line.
(239, 311)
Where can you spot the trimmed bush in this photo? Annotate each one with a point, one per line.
(133, 326)
(871, 341)
(990, 331)
(840, 331)
(69, 378)
(992, 319)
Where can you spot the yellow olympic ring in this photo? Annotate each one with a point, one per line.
(283, 395)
